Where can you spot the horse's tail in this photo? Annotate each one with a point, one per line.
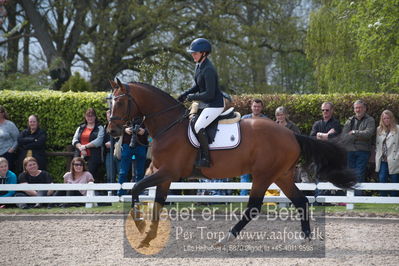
(329, 160)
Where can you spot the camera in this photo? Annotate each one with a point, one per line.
(135, 130)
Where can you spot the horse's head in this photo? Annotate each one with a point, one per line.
(123, 109)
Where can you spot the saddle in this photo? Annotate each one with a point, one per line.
(223, 132)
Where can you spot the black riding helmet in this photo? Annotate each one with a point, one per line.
(200, 45)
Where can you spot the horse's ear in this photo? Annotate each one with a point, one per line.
(119, 82)
(120, 85)
(113, 84)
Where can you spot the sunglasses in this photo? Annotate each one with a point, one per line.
(77, 164)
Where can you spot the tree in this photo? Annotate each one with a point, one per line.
(250, 36)
(254, 41)
(58, 27)
(135, 34)
(353, 46)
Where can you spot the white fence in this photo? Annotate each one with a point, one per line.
(91, 197)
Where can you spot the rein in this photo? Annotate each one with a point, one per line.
(146, 117)
(186, 114)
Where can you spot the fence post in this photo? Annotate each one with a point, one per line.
(90, 194)
(350, 193)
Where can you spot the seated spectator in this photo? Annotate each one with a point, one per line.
(88, 141)
(77, 174)
(256, 108)
(32, 175)
(387, 144)
(32, 143)
(6, 177)
(282, 118)
(8, 138)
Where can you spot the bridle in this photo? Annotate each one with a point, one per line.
(129, 105)
(149, 116)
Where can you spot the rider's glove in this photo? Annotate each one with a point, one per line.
(182, 97)
(190, 97)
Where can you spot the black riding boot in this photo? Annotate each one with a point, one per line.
(203, 159)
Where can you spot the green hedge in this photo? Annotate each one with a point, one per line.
(61, 112)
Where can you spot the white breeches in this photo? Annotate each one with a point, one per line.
(207, 116)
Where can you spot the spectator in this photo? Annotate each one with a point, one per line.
(6, 177)
(328, 127)
(8, 138)
(88, 141)
(112, 164)
(77, 174)
(282, 118)
(32, 175)
(386, 157)
(32, 143)
(134, 144)
(357, 134)
(256, 108)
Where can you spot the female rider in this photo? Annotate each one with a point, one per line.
(206, 91)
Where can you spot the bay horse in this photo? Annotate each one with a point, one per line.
(268, 151)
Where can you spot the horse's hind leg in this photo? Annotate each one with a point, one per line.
(301, 203)
(259, 187)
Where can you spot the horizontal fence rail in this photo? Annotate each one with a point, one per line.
(91, 197)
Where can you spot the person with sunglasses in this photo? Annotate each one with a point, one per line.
(78, 174)
(328, 127)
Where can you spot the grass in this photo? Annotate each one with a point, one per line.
(118, 208)
(367, 208)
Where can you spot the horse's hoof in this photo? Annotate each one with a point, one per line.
(222, 242)
(138, 219)
(301, 241)
(144, 244)
(140, 225)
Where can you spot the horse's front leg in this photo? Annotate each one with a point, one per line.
(153, 180)
(160, 198)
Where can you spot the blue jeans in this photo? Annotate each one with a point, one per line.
(383, 176)
(358, 161)
(140, 155)
(111, 160)
(245, 179)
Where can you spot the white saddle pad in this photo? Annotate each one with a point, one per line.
(227, 137)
